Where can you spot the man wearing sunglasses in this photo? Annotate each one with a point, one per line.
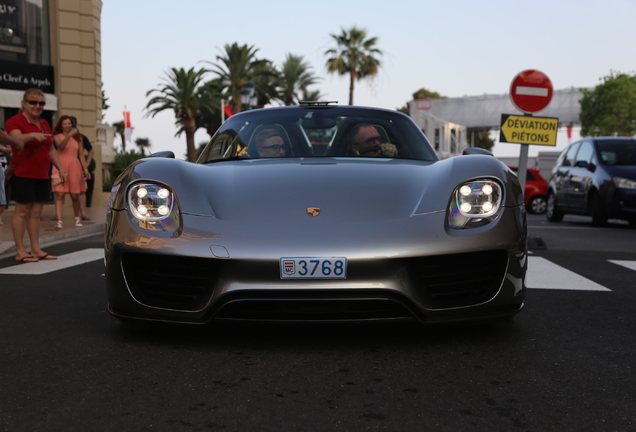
(269, 143)
(366, 141)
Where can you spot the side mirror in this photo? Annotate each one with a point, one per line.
(476, 151)
(581, 164)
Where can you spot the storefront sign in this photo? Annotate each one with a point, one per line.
(21, 76)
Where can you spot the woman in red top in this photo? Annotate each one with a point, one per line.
(31, 185)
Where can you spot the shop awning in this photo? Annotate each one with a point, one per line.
(13, 99)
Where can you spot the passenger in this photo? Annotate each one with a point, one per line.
(366, 141)
(269, 143)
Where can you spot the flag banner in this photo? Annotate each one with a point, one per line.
(228, 110)
(127, 127)
(127, 124)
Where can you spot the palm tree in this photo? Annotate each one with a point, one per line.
(142, 143)
(265, 81)
(179, 94)
(295, 76)
(237, 66)
(119, 129)
(210, 96)
(312, 95)
(353, 55)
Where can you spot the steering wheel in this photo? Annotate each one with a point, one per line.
(369, 149)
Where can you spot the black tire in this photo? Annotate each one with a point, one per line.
(537, 204)
(599, 217)
(552, 212)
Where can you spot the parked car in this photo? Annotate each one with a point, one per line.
(265, 226)
(595, 177)
(536, 191)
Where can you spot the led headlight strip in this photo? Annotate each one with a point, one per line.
(152, 206)
(475, 203)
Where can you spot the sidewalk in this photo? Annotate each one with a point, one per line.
(48, 234)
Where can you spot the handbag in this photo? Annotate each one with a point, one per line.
(8, 173)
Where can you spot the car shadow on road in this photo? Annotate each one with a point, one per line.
(342, 334)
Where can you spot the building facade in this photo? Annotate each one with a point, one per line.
(55, 46)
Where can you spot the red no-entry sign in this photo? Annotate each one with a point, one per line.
(531, 91)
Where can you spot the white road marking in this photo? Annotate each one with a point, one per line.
(629, 264)
(543, 274)
(62, 261)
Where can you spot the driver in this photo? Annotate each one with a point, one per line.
(269, 143)
(365, 141)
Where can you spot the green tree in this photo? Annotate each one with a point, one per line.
(179, 93)
(122, 160)
(480, 137)
(354, 54)
(143, 144)
(265, 79)
(236, 67)
(427, 94)
(312, 95)
(105, 105)
(420, 94)
(210, 96)
(119, 129)
(610, 109)
(295, 76)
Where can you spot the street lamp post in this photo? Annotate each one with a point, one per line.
(249, 95)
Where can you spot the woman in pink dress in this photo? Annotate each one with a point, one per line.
(68, 141)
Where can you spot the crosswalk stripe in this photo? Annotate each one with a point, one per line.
(543, 274)
(62, 261)
(629, 264)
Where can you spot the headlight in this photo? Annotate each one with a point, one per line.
(152, 206)
(475, 203)
(624, 183)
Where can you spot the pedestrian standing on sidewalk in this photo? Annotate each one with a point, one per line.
(68, 141)
(85, 198)
(31, 183)
(6, 141)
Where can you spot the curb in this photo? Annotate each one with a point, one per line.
(7, 248)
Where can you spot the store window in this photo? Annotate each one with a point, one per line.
(24, 31)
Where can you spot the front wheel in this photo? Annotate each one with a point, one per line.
(537, 205)
(599, 218)
(551, 211)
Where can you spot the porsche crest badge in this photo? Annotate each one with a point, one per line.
(313, 211)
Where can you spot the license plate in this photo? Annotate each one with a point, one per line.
(313, 268)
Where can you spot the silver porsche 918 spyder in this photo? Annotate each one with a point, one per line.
(316, 212)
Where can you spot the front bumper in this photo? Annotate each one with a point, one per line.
(408, 270)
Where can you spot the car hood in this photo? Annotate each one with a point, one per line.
(274, 190)
(625, 171)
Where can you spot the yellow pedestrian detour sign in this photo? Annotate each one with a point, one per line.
(529, 130)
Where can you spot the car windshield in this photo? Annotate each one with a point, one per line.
(318, 131)
(617, 152)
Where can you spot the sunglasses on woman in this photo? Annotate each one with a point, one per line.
(41, 103)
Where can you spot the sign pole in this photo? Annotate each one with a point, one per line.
(523, 165)
(530, 92)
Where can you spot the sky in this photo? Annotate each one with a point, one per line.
(456, 48)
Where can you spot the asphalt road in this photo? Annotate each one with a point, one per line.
(566, 363)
